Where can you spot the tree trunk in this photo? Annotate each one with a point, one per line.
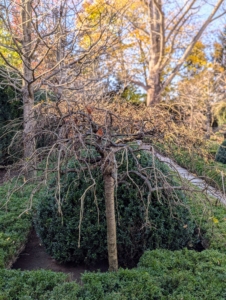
(156, 52)
(109, 183)
(28, 94)
(154, 89)
(29, 124)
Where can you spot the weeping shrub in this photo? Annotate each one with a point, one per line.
(168, 225)
(221, 153)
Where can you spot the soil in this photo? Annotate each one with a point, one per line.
(34, 257)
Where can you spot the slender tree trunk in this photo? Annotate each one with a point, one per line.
(29, 123)
(28, 93)
(109, 183)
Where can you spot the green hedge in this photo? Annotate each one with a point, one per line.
(161, 274)
(170, 225)
(14, 230)
(28, 285)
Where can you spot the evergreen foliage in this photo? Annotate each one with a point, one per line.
(161, 274)
(169, 224)
(14, 230)
(221, 153)
(11, 109)
(28, 285)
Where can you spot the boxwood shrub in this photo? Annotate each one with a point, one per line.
(162, 274)
(28, 285)
(169, 223)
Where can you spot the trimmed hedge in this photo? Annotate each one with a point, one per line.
(13, 230)
(28, 285)
(170, 225)
(161, 274)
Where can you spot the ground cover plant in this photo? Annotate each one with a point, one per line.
(202, 164)
(161, 221)
(210, 216)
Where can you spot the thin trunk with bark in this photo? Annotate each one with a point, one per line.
(109, 186)
(28, 93)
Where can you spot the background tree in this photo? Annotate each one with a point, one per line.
(45, 36)
(156, 35)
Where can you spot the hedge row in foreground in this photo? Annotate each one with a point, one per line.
(161, 274)
(28, 285)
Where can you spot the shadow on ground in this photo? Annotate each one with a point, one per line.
(34, 257)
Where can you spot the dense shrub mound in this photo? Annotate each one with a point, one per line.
(221, 153)
(169, 224)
